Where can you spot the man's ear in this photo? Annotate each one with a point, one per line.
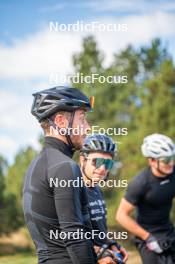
(81, 158)
(61, 121)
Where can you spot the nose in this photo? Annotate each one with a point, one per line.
(102, 168)
(87, 127)
(171, 163)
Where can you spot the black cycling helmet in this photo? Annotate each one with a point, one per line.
(99, 143)
(60, 98)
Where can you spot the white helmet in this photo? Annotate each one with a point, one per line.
(157, 146)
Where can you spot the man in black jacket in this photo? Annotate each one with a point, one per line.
(54, 209)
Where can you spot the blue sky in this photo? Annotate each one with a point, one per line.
(29, 52)
(19, 18)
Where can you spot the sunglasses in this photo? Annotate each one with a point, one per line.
(98, 162)
(167, 160)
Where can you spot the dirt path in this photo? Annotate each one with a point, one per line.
(134, 258)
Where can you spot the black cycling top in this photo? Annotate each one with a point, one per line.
(153, 198)
(98, 214)
(54, 209)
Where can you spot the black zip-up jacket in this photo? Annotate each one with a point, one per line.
(54, 212)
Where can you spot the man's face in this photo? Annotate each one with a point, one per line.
(80, 128)
(93, 173)
(162, 165)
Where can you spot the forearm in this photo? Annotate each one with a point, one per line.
(75, 232)
(77, 240)
(81, 253)
(131, 225)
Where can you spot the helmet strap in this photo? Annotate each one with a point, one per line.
(70, 126)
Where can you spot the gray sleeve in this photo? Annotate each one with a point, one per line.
(71, 213)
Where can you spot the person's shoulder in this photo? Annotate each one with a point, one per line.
(173, 174)
(54, 157)
(58, 163)
(38, 160)
(94, 193)
(146, 171)
(173, 171)
(55, 152)
(142, 177)
(137, 187)
(98, 189)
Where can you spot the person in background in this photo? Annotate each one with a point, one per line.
(96, 161)
(151, 194)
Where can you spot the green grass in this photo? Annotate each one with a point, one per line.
(19, 259)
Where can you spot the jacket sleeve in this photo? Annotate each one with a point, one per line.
(71, 208)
